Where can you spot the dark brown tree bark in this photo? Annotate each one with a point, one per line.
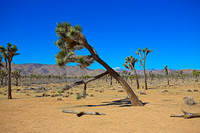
(9, 80)
(134, 99)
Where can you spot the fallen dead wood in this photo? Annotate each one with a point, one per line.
(186, 115)
(67, 87)
(80, 113)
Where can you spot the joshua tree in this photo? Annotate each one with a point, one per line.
(166, 73)
(2, 75)
(142, 61)
(8, 54)
(130, 64)
(71, 39)
(131, 77)
(152, 75)
(16, 74)
(196, 74)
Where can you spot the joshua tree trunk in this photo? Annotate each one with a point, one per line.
(111, 80)
(9, 80)
(134, 99)
(136, 78)
(167, 80)
(16, 81)
(145, 78)
(2, 81)
(84, 90)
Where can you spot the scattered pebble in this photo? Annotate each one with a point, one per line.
(120, 90)
(189, 90)
(195, 90)
(59, 99)
(164, 91)
(142, 92)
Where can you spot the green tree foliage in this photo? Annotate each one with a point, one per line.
(130, 64)
(8, 53)
(196, 74)
(71, 39)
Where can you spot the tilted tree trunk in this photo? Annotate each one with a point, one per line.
(136, 78)
(9, 80)
(134, 99)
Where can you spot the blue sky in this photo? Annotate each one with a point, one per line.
(115, 28)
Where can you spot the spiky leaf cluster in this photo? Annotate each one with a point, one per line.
(143, 54)
(130, 62)
(9, 51)
(71, 39)
(166, 70)
(16, 73)
(196, 73)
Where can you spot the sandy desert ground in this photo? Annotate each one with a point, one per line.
(26, 113)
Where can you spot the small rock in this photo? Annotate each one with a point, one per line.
(142, 92)
(18, 90)
(112, 88)
(27, 94)
(189, 90)
(120, 90)
(53, 95)
(96, 90)
(91, 95)
(189, 100)
(195, 90)
(38, 96)
(4, 93)
(100, 91)
(65, 95)
(59, 99)
(164, 91)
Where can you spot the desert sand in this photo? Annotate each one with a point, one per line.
(30, 114)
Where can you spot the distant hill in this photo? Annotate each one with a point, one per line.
(45, 69)
(72, 71)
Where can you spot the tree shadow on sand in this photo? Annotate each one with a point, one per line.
(120, 103)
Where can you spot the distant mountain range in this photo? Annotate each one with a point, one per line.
(72, 71)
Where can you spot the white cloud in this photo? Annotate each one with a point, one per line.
(116, 68)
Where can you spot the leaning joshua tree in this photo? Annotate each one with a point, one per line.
(8, 54)
(166, 73)
(142, 61)
(130, 64)
(71, 39)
